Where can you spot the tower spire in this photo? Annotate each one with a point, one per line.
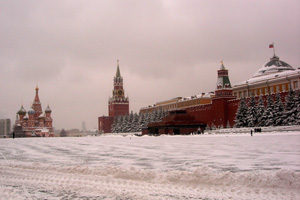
(118, 74)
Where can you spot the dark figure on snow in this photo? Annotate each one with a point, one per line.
(251, 132)
(13, 135)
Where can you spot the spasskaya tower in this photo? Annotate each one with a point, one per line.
(118, 104)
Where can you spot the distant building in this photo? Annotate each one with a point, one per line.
(5, 127)
(83, 127)
(34, 123)
(179, 103)
(118, 104)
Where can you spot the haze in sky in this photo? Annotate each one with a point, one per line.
(171, 48)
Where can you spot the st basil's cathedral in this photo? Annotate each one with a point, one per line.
(34, 123)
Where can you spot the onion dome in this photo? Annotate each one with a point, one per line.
(273, 66)
(31, 111)
(41, 116)
(22, 111)
(48, 109)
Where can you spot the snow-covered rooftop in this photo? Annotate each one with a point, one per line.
(273, 66)
(203, 95)
(269, 77)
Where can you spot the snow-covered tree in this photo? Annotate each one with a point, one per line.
(289, 112)
(141, 122)
(118, 127)
(135, 123)
(149, 118)
(295, 109)
(165, 113)
(278, 110)
(241, 114)
(267, 118)
(298, 113)
(159, 115)
(126, 127)
(252, 112)
(260, 109)
(154, 117)
(114, 124)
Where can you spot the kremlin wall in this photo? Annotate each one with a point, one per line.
(214, 109)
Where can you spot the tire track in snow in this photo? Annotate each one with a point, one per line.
(37, 182)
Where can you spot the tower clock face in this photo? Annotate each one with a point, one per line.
(120, 92)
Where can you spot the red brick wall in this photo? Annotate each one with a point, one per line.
(104, 124)
(222, 110)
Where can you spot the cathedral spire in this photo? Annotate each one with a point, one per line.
(36, 99)
(36, 105)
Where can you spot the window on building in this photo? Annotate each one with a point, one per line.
(260, 91)
(272, 89)
(255, 92)
(266, 91)
(245, 92)
(240, 94)
(277, 88)
(283, 88)
(295, 84)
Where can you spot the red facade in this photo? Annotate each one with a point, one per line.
(104, 124)
(177, 122)
(117, 109)
(218, 113)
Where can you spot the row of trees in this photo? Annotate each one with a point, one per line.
(275, 113)
(135, 122)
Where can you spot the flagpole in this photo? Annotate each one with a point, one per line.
(274, 49)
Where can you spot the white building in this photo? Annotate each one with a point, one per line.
(5, 128)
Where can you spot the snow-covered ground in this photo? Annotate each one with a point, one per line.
(207, 167)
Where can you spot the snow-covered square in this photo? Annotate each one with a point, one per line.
(223, 166)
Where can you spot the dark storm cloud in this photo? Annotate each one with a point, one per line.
(166, 49)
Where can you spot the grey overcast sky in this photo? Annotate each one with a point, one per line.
(166, 48)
